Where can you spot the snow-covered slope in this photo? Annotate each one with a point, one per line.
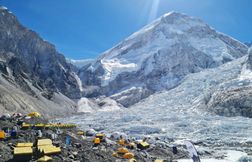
(158, 56)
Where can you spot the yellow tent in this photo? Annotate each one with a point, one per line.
(44, 159)
(34, 114)
(22, 150)
(115, 154)
(97, 141)
(26, 126)
(2, 134)
(121, 142)
(122, 150)
(51, 150)
(143, 145)
(42, 142)
(81, 133)
(128, 155)
(24, 144)
(159, 160)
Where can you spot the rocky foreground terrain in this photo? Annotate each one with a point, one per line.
(81, 147)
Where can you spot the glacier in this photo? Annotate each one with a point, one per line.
(180, 113)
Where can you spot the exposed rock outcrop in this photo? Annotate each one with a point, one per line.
(235, 96)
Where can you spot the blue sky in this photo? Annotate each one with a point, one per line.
(83, 29)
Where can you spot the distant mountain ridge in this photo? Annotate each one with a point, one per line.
(80, 63)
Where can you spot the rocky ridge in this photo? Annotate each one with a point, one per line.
(34, 75)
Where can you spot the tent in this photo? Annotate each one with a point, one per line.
(34, 114)
(23, 151)
(81, 133)
(44, 159)
(24, 144)
(22, 154)
(143, 145)
(17, 115)
(101, 136)
(122, 142)
(128, 155)
(90, 132)
(159, 160)
(50, 150)
(122, 150)
(115, 154)
(97, 141)
(2, 134)
(7, 115)
(43, 142)
(26, 126)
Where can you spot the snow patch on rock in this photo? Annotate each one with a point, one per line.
(85, 106)
(113, 67)
(77, 78)
(3, 8)
(245, 74)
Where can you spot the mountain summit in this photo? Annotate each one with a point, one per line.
(158, 57)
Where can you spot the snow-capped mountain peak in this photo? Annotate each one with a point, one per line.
(3, 8)
(159, 55)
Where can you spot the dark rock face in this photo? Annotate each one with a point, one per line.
(249, 61)
(236, 97)
(28, 57)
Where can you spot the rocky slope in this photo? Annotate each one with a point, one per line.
(33, 75)
(158, 57)
(234, 98)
